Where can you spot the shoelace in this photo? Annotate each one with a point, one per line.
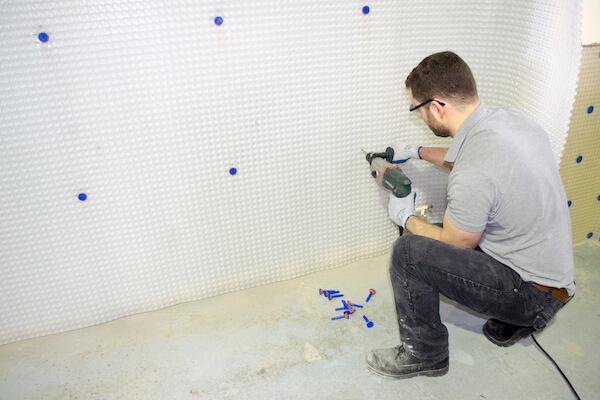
(400, 350)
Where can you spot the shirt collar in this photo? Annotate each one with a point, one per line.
(463, 132)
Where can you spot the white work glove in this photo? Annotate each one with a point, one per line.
(403, 151)
(400, 209)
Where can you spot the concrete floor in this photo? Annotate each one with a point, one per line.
(279, 342)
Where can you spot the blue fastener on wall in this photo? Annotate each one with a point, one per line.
(43, 37)
(219, 21)
(590, 109)
(569, 203)
(232, 171)
(366, 10)
(589, 235)
(579, 159)
(82, 196)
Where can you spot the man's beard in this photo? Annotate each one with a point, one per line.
(438, 129)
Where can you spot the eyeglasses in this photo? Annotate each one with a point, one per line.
(413, 108)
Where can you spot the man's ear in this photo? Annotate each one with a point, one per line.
(438, 110)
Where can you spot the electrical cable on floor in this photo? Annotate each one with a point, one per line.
(557, 367)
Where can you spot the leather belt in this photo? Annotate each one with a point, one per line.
(560, 294)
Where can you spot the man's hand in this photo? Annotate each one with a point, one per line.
(400, 209)
(403, 151)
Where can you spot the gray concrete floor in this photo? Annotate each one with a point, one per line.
(279, 342)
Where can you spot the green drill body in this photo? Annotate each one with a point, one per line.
(387, 175)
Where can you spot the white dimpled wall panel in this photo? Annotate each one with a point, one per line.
(154, 153)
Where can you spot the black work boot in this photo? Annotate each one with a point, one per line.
(397, 363)
(504, 334)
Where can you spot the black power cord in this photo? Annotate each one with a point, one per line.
(557, 367)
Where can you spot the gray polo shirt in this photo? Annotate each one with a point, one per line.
(505, 182)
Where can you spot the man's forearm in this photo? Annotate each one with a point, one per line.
(447, 234)
(420, 227)
(435, 155)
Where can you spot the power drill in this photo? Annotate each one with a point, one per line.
(389, 176)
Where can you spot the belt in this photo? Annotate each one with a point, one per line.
(560, 294)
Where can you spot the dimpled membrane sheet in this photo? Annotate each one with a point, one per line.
(580, 163)
(154, 152)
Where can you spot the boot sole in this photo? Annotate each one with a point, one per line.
(430, 373)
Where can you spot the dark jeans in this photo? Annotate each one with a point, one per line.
(422, 268)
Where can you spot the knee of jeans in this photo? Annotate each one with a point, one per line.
(401, 251)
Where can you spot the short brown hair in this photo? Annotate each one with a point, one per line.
(442, 75)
